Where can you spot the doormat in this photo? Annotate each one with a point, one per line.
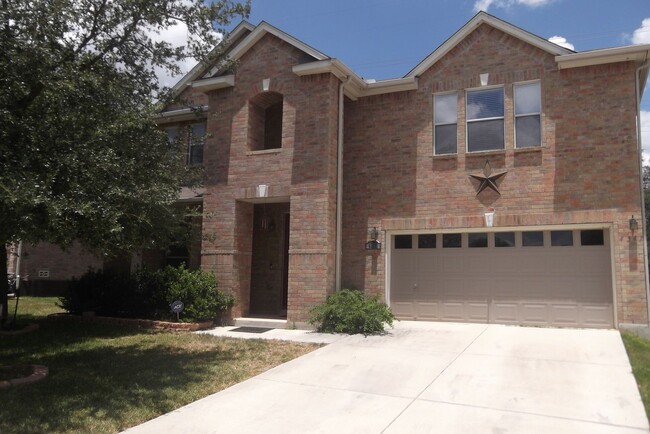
(247, 329)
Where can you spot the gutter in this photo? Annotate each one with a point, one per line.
(339, 185)
(637, 74)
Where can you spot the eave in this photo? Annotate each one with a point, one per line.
(636, 53)
(180, 115)
(357, 87)
(215, 83)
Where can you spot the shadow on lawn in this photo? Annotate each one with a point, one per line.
(104, 379)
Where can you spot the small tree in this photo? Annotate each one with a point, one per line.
(82, 158)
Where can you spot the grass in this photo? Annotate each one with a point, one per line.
(638, 350)
(104, 379)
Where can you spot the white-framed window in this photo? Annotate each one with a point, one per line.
(485, 114)
(445, 123)
(528, 118)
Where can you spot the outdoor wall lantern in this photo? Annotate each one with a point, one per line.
(484, 78)
(634, 225)
(373, 244)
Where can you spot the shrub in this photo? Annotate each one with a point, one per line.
(351, 311)
(148, 294)
(103, 292)
(197, 290)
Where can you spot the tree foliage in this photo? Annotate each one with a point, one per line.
(80, 154)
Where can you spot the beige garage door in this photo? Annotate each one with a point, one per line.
(556, 278)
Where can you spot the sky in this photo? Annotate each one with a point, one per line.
(382, 39)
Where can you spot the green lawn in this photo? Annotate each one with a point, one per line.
(108, 378)
(638, 350)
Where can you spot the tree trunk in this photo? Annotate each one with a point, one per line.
(4, 287)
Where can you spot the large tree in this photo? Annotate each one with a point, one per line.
(81, 157)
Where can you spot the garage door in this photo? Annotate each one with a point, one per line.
(556, 278)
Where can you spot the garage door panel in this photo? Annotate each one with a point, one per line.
(597, 315)
(505, 313)
(476, 287)
(452, 264)
(451, 287)
(564, 314)
(534, 313)
(477, 310)
(428, 310)
(549, 285)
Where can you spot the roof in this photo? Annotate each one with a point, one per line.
(246, 36)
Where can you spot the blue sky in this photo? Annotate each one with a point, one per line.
(386, 38)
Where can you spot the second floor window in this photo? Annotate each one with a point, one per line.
(485, 127)
(195, 144)
(528, 108)
(192, 138)
(445, 119)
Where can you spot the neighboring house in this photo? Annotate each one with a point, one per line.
(498, 181)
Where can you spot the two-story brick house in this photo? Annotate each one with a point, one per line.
(497, 181)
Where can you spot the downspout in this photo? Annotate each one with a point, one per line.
(640, 150)
(339, 186)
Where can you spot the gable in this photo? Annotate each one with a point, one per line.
(481, 19)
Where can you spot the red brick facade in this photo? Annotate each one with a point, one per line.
(393, 181)
(585, 172)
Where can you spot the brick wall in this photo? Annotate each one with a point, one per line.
(61, 265)
(301, 172)
(586, 171)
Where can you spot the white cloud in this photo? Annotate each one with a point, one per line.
(484, 5)
(562, 42)
(645, 136)
(176, 35)
(642, 34)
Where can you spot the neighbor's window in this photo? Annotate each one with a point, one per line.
(485, 120)
(528, 109)
(445, 120)
(195, 143)
(265, 121)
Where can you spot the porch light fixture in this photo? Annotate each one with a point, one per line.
(484, 78)
(373, 244)
(634, 224)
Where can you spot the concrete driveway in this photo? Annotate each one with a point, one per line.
(434, 377)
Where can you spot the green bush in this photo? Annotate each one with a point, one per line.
(351, 311)
(148, 294)
(196, 289)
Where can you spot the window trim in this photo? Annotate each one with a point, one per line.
(451, 92)
(502, 118)
(515, 115)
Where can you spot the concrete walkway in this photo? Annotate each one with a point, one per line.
(433, 377)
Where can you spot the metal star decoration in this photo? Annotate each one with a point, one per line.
(488, 180)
